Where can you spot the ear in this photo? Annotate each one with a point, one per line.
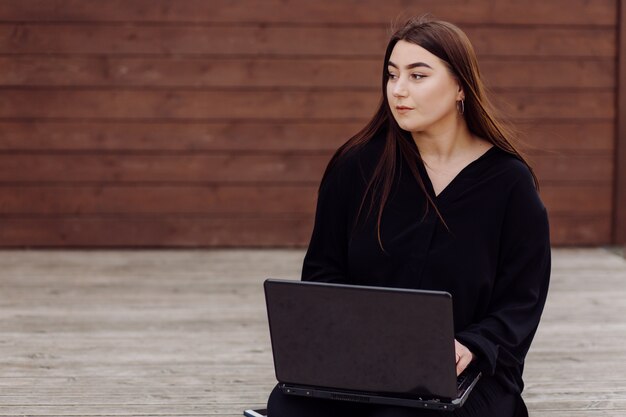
(460, 95)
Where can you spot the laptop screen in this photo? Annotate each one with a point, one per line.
(357, 338)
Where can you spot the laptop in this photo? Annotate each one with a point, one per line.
(365, 344)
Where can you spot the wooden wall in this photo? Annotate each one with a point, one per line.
(619, 206)
(208, 123)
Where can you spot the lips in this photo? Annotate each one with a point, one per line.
(403, 109)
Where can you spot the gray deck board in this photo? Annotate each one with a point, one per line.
(183, 333)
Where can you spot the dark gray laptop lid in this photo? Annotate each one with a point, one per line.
(358, 338)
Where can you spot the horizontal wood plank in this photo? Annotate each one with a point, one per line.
(224, 199)
(163, 231)
(180, 231)
(259, 40)
(575, 136)
(220, 168)
(548, 72)
(575, 199)
(283, 105)
(214, 199)
(54, 136)
(572, 230)
(40, 135)
(572, 168)
(581, 12)
(72, 71)
(282, 168)
(552, 105)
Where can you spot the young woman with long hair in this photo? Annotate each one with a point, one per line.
(432, 194)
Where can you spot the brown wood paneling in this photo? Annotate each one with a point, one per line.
(188, 71)
(543, 42)
(568, 135)
(234, 168)
(548, 73)
(164, 168)
(161, 231)
(193, 231)
(568, 230)
(567, 199)
(146, 199)
(31, 38)
(185, 104)
(221, 199)
(175, 136)
(152, 122)
(216, 105)
(573, 168)
(619, 218)
(577, 104)
(262, 136)
(583, 12)
(164, 231)
(240, 73)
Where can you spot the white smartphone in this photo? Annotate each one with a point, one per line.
(255, 413)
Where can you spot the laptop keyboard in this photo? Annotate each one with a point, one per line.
(461, 380)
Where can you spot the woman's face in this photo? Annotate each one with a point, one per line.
(421, 91)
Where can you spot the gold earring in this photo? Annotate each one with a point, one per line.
(460, 106)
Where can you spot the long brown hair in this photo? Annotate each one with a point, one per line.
(451, 45)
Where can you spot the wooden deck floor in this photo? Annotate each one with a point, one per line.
(184, 333)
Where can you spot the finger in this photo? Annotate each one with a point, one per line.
(463, 362)
(458, 348)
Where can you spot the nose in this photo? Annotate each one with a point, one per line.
(399, 88)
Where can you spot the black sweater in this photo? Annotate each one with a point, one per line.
(494, 258)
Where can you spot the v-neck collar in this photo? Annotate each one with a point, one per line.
(429, 185)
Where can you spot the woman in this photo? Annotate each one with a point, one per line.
(431, 194)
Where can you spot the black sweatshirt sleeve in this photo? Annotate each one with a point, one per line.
(326, 257)
(503, 337)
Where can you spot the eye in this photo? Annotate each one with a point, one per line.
(391, 76)
(417, 76)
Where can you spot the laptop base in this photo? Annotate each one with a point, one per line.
(255, 413)
(371, 398)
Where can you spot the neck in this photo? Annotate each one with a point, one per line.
(444, 143)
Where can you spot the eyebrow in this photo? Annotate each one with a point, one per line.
(411, 66)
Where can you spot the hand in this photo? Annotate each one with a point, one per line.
(463, 357)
